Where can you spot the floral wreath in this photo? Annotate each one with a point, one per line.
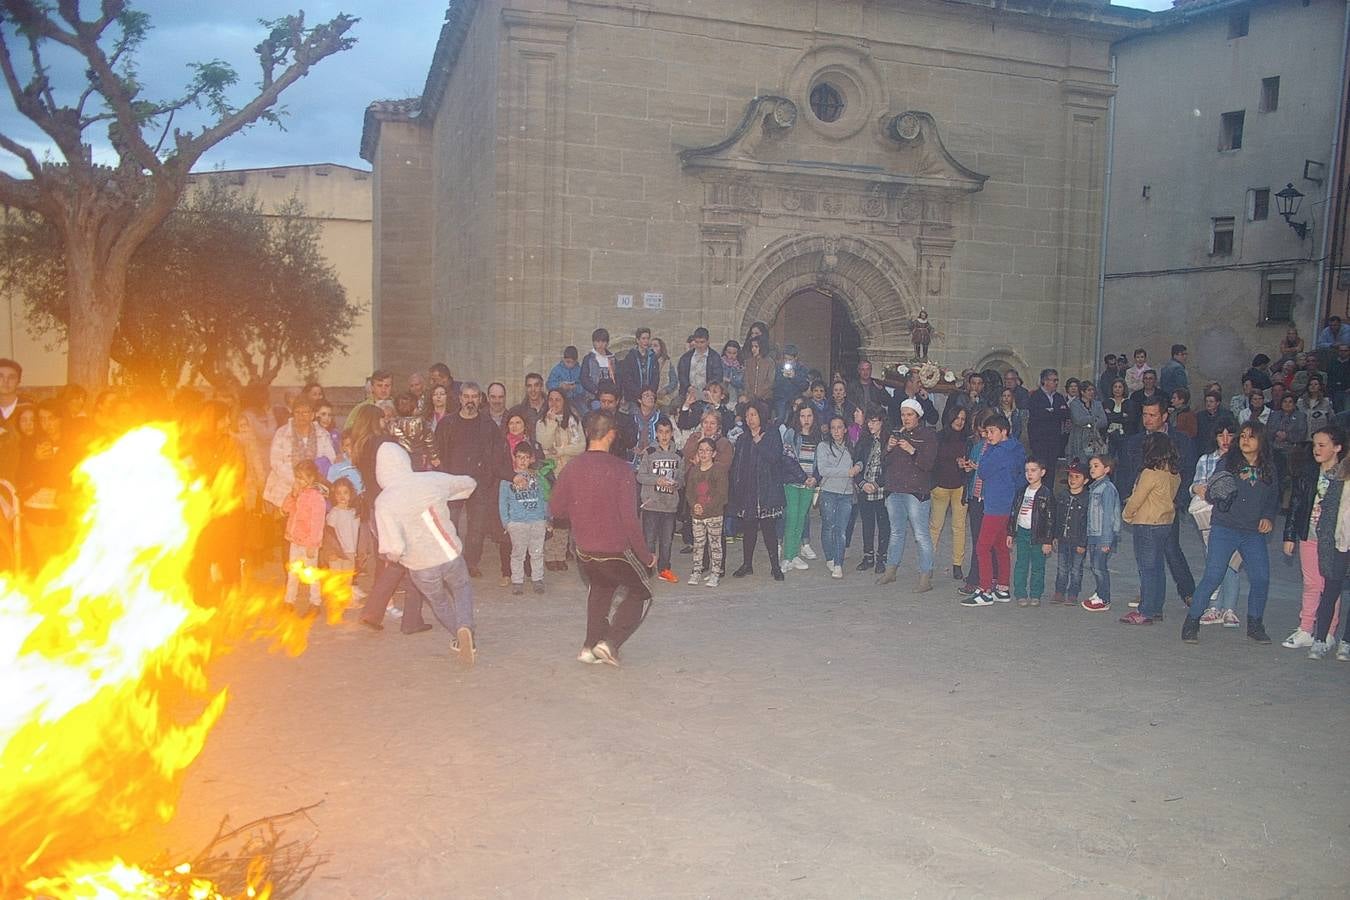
(929, 373)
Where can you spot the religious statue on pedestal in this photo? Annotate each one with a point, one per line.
(921, 334)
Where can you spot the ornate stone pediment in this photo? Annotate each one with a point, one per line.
(761, 144)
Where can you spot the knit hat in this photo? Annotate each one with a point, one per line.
(913, 405)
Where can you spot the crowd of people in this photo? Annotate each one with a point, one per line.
(603, 462)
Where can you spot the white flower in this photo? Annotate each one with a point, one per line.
(949, 376)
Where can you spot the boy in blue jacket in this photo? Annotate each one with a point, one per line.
(524, 515)
(1000, 474)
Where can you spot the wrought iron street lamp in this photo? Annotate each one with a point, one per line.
(1287, 202)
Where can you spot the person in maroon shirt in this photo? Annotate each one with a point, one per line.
(598, 495)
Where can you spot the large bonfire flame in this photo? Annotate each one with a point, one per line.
(99, 653)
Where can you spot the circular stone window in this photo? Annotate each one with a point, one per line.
(826, 102)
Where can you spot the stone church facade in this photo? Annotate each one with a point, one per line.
(716, 162)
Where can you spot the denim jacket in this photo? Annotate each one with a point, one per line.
(1103, 513)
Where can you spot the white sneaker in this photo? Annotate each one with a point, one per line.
(1299, 640)
(711, 581)
(587, 657)
(798, 563)
(808, 552)
(836, 571)
(1343, 651)
(979, 598)
(695, 578)
(1319, 650)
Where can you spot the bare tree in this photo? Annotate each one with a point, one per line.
(103, 213)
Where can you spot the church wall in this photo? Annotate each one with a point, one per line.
(1024, 105)
(466, 231)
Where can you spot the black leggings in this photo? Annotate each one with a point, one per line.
(875, 524)
(753, 528)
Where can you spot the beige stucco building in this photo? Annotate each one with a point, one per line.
(1221, 105)
(338, 197)
(829, 168)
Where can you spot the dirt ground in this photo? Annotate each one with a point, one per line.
(816, 739)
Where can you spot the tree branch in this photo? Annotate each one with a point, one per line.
(30, 160)
(28, 101)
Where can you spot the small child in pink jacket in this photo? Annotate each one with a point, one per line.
(305, 512)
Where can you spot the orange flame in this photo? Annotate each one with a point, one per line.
(94, 653)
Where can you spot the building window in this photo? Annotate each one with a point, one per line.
(1270, 93)
(1221, 237)
(1238, 23)
(826, 102)
(1277, 296)
(1230, 130)
(1258, 204)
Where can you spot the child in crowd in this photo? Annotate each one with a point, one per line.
(661, 472)
(345, 468)
(707, 488)
(305, 511)
(1032, 531)
(598, 367)
(999, 472)
(524, 515)
(341, 535)
(1103, 526)
(1071, 535)
(566, 377)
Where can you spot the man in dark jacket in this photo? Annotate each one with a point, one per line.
(699, 366)
(870, 393)
(914, 390)
(626, 436)
(1153, 415)
(907, 468)
(469, 443)
(638, 369)
(1047, 423)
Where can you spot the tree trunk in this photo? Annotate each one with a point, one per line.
(95, 293)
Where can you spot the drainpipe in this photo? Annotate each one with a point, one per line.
(1106, 219)
(1329, 216)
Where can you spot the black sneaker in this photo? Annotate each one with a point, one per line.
(1257, 631)
(1190, 631)
(957, 573)
(687, 548)
(967, 590)
(1002, 596)
(868, 561)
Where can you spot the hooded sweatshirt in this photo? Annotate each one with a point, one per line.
(411, 515)
(655, 464)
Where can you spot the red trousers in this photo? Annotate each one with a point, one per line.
(992, 550)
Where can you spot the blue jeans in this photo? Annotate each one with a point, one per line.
(450, 592)
(836, 510)
(908, 511)
(1098, 558)
(1223, 543)
(1149, 555)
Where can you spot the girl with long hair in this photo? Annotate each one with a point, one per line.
(1241, 523)
(835, 468)
(876, 524)
(759, 469)
(559, 435)
(949, 492)
(802, 442)
(1310, 479)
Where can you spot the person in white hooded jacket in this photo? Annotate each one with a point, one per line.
(416, 530)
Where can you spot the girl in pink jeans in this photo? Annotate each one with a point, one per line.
(1309, 485)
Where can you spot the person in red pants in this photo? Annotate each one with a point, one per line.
(1001, 473)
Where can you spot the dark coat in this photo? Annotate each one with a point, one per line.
(1071, 518)
(1042, 514)
(758, 473)
(1302, 492)
(714, 371)
(474, 447)
(1046, 417)
(631, 381)
(911, 473)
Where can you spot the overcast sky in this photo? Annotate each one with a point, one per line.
(395, 41)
